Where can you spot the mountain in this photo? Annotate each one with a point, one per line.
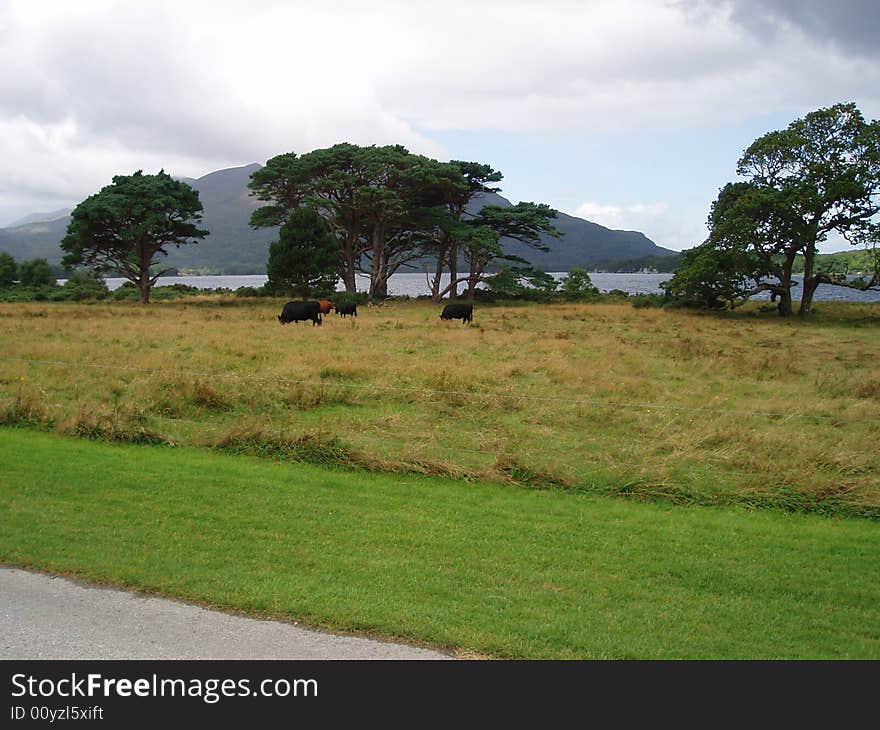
(582, 244)
(40, 218)
(35, 240)
(233, 247)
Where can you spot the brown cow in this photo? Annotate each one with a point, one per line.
(325, 306)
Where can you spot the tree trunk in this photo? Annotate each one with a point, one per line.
(810, 282)
(376, 260)
(784, 306)
(349, 263)
(348, 280)
(453, 270)
(347, 274)
(810, 286)
(143, 283)
(474, 276)
(436, 281)
(380, 288)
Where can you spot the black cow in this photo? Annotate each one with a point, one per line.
(344, 308)
(301, 311)
(464, 312)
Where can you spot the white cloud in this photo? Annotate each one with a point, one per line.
(93, 89)
(96, 87)
(666, 228)
(653, 219)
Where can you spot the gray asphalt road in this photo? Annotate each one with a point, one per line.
(45, 617)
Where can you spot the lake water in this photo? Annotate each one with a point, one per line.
(414, 285)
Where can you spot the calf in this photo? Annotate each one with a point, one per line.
(344, 308)
(326, 306)
(301, 311)
(464, 312)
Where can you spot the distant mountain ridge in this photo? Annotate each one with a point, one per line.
(39, 218)
(233, 247)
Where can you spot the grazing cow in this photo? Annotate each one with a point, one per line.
(326, 306)
(464, 312)
(344, 308)
(301, 311)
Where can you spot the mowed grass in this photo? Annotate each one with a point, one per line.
(673, 405)
(478, 568)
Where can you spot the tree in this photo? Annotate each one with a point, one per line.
(36, 273)
(523, 222)
(460, 183)
(389, 207)
(8, 270)
(399, 208)
(712, 278)
(517, 281)
(305, 258)
(129, 224)
(86, 284)
(376, 200)
(820, 175)
(577, 284)
(477, 237)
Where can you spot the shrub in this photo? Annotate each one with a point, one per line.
(518, 283)
(250, 291)
(36, 273)
(84, 284)
(127, 291)
(180, 288)
(577, 285)
(640, 301)
(8, 270)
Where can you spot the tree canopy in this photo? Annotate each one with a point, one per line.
(36, 273)
(129, 224)
(388, 208)
(8, 269)
(577, 284)
(819, 176)
(305, 259)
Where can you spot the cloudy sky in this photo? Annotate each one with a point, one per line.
(630, 113)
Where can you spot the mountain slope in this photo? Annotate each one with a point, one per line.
(35, 240)
(39, 218)
(234, 248)
(583, 243)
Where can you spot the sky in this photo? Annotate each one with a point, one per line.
(629, 113)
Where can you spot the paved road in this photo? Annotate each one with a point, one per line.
(45, 617)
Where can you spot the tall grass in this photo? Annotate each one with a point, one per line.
(741, 408)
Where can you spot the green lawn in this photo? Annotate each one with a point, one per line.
(475, 567)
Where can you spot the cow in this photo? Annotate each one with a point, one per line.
(464, 312)
(344, 308)
(301, 311)
(326, 306)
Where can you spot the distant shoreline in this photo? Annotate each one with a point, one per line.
(415, 284)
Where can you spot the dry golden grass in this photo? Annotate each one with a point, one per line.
(688, 406)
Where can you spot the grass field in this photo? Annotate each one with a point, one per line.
(744, 408)
(479, 568)
(460, 486)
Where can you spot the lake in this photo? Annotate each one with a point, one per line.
(414, 285)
